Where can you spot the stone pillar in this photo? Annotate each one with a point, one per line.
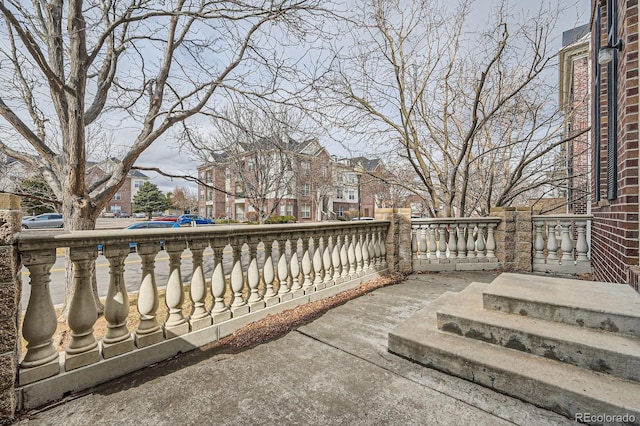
(514, 254)
(398, 242)
(10, 309)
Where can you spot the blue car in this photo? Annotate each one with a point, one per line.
(188, 219)
(145, 225)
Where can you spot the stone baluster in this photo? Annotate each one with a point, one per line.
(351, 253)
(284, 293)
(414, 242)
(480, 242)
(176, 324)
(377, 249)
(442, 241)
(582, 248)
(39, 324)
(566, 244)
(220, 311)
(268, 275)
(296, 285)
(552, 244)
(149, 330)
(491, 242)
(316, 262)
(344, 257)
(462, 242)
(255, 301)
(538, 245)
(372, 252)
(238, 305)
(471, 243)
(306, 265)
(453, 245)
(358, 251)
(433, 244)
(365, 254)
(335, 260)
(83, 347)
(200, 318)
(118, 339)
(383, 249)
(326, 263)
(422, 240)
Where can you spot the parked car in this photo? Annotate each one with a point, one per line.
(124, 214)
(109, 214)
(45, 220)
(165, 218)
(151, 224)
(363, 218)
(140, 215)
(188, 219)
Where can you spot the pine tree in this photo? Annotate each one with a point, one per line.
(149, 199)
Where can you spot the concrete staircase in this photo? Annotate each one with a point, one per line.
(566, 345)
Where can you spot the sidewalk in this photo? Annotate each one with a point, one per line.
(333, 371)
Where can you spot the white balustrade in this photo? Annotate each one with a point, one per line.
(572, 254)
(232, 277)
(454, 244)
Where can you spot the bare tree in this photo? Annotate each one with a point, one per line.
(184, 199)
(473, 113)
(254, 145)
(70, 67)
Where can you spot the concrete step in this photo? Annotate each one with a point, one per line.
(602, 306)
(547, 383)
(604, 352)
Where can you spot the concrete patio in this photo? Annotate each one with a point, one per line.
(334, 370)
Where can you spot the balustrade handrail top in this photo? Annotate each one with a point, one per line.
(51, 239)
(451, 220)
(561, 216)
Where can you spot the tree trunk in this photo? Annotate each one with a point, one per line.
(78, 216)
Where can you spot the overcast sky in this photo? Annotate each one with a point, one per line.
(166, 155)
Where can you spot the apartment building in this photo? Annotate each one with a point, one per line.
(290, 178)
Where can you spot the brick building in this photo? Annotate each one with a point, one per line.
(122, 201)
(575, 97)
(291, 179)
(615, 208)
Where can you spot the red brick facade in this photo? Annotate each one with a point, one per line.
(615, 180)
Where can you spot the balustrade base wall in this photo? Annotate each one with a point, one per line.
(53, 388)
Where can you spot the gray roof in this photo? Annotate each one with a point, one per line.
(574, 34)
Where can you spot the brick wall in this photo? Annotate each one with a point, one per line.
(615, 224)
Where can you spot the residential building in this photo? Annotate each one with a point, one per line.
(615, 206)
(122, 201)
(284, 179)
(575, 99)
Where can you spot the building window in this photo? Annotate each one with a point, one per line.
(304, 168)
(289, 209)
(351, 194)
(324, 170)
(306, 190)
(612, 103)
(209, 176)
(340, 211)
(351, 177)
(339, 193)
(227, 173)
(137, 183)
(282, 209)
(250, 165)
(306, 211)
(202, 194)
(117, 197)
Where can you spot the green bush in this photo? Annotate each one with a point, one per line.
(281, 219)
